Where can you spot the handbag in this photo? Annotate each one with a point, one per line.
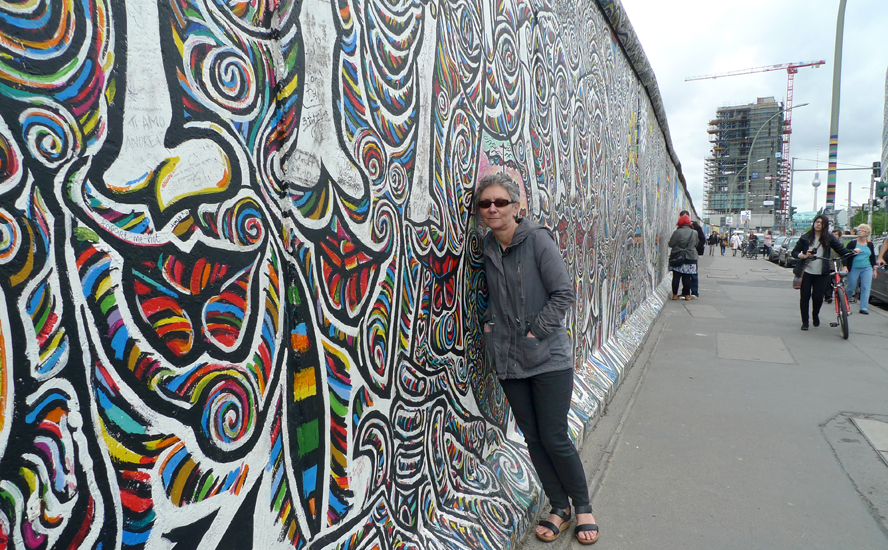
(797, 271)
(799, 268)
(676, 258)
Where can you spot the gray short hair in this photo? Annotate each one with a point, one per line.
(503, 180)
(866, 228)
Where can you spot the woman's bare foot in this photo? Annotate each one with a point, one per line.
(586, 535)
(544, 532)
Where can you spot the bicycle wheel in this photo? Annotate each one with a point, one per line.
(842, 309)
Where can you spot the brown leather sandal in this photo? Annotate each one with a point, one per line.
(582, 527)
(556, 531)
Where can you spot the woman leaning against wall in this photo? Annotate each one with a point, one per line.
(530, 293)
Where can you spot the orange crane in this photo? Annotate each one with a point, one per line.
(791, 70)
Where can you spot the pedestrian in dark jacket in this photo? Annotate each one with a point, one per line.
(701, 249)
(525, 338)
(683, 258)
(713, 242)
(815, 273)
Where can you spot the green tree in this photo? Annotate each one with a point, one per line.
(880, 221)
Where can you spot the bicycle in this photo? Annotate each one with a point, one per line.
(752, 250)
(840, 295)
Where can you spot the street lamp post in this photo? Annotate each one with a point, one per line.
(752, 146)
(733, 182)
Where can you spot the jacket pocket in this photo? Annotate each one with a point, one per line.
(536, 351)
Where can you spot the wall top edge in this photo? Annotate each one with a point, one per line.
(616, 16)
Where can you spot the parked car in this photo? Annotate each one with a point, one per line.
(775, 248)
(879, 289)
(784, 257)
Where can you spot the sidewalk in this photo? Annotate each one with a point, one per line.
(735, 429)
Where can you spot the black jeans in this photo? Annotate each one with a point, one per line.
(685, 279)
(540, 404)
(813, 287)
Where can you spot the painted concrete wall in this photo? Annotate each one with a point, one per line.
(241, 279)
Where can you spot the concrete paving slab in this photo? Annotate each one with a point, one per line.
(720, 276)
(860, 462)
(876, 432)
(745, 347)
(704, 312)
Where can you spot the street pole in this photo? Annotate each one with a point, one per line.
(834, 116)
(848, 213)
(869, 216)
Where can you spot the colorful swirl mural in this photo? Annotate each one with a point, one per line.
(241, 279)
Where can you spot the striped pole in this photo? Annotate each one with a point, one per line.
(834, 116)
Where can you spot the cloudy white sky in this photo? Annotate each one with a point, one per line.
(698, 37)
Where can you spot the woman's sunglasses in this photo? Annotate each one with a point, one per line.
(499, 203)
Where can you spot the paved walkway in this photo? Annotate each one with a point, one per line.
(735, 429)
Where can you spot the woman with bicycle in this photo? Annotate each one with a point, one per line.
(814, 270)
(861, 267)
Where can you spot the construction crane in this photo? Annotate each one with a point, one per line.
(791, 70)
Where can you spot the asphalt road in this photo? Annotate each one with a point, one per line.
(735, 429)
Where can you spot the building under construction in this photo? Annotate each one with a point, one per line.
(732, 133)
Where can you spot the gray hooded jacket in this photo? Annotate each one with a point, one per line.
(685, 238)
(529, 291)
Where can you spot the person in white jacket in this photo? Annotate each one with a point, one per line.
(736, 242)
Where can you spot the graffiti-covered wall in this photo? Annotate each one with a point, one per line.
(241, 278)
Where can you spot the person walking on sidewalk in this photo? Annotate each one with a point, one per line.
(882, 258)
(525, 339)
(769, 240)
(683, 258)
(815, 273)
(736, 242)
(724, 243)
(713, 241)
(861, 266)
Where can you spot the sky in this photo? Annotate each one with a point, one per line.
(716, 36)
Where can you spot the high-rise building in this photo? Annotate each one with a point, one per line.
(732, 133)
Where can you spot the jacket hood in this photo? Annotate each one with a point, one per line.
(525, 228)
